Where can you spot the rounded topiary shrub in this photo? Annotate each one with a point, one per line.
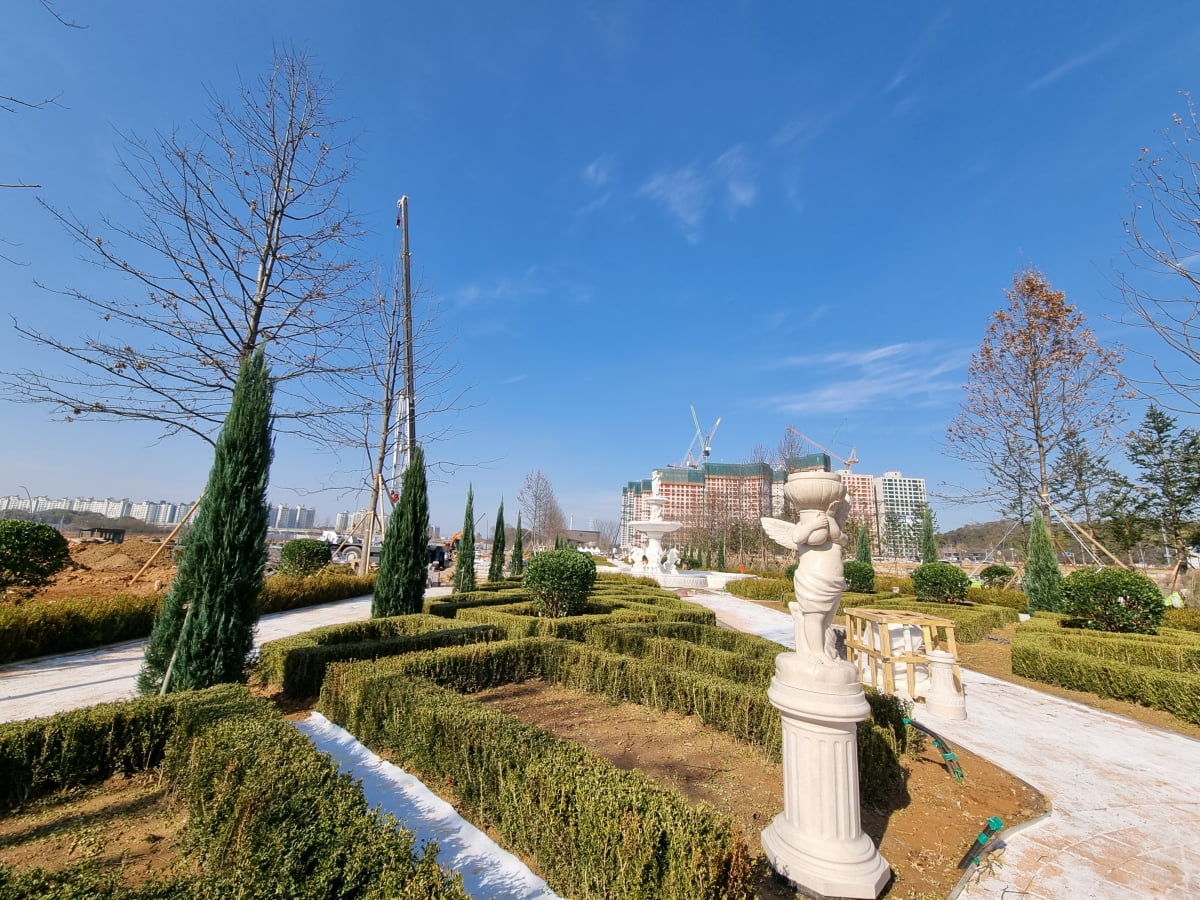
(31, 554)
(860, 577)
(995, 576)
(1112, 600)
(940, 582)
(304, 557)
(559, 582)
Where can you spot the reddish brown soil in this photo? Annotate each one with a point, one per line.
(99, 570)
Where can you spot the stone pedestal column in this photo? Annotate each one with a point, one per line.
(945, 698)
(817, 842)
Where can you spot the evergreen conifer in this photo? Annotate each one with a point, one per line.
(496, 569)
(929, 553)
(205, 630)
(464, 562)
(404, 557)
(721, 555)
(518, 558)
(862, 547)
(1043, 580)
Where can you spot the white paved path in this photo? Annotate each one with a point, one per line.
(1125, 796)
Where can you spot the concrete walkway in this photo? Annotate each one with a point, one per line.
(50, 684)
(1125, 796)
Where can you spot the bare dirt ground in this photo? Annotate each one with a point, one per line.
(922, 836)
(99, 570)
(126, 823)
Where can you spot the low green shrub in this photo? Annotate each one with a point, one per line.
(448, 608)
(996, 576)
(590, 829)
(283, 592)
(1183, 619)
(860, 577)
(624, 578)
(1113, 600)
(885, 583)
(303, 557)
(774, 590)
(296, 665)
(31, 554)
(87, 745)
(267, 815)
(997, 596)
(740, 708)
(1035, 656)
(940, 582)
(1158, 651)
(559, 582)
(266, 810)
(42, 627)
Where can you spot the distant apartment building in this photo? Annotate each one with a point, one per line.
(731, 491)
(889, 506)
(899, 504)
(286, 517)
(152, 512)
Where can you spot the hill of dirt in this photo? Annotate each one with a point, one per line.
(101, 569)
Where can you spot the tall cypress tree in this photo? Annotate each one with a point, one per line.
(208, 616)
(929, 552)
(518, 552)
(464, 562)
(496, 570)
(1043, 580)
(862, 547)
(404, 557)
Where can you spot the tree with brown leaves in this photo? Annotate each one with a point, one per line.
(1038, 380)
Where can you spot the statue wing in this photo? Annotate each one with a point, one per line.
(781, 532)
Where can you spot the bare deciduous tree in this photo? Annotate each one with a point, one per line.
(242, 240)
(543, 517)
(1164, 244)
(610, 533)
(1038, 379)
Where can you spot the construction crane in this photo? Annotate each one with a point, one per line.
(848, 461)
(699, 438)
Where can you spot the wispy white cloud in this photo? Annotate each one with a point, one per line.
(514, 379)
(599, 171)
(920, 49)
(916, 374)
(505, 287)
(687, 193)
(1078, 61)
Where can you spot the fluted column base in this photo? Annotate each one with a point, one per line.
(817, 842)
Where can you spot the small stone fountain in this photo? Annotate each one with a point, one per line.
(650, 560)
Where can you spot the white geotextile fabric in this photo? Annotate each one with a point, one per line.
(488, 871)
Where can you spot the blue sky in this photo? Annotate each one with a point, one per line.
(783, 214)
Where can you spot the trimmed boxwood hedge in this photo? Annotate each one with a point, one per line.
(267, 815)
(997, 596)
(296, 665)
(39, 628)
(87, 745)
(589, 828)
(774, 590)
(740, 708)
(276, 818)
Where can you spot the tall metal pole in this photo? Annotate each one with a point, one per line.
(410, 388)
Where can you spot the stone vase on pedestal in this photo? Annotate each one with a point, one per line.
(817, 842)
